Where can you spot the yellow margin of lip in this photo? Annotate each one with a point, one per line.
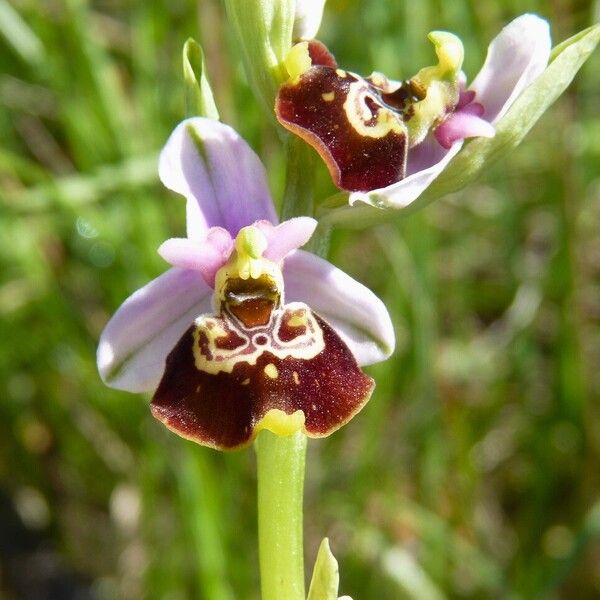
(280, 423)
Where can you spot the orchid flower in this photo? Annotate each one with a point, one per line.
(386, 141)
(227, 338)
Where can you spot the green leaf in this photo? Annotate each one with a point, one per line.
(198, 95)
(566, 59)
(263, 29)
(326, 576)
(559, 48)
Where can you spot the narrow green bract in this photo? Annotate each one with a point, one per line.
(198, 94)
(326, 576)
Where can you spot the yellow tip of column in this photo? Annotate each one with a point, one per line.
(450, 52)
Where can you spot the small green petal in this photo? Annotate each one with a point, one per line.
(326, 576)
(199, 99)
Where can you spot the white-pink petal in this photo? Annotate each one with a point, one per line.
(355, 312)
(287, 236)
(220, 175)
(515, 58)
(136, 341)
(206, 256)
(460, 125)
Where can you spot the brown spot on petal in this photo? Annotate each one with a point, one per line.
(253, 312)
(314, 373)
(251, 300)
(362, 140)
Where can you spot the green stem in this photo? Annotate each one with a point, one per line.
(298, 194)
(280, 465)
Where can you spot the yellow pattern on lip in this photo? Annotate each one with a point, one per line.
(360, 115)
(306, 345)
(271, 371)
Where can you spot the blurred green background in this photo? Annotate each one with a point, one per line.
(473, 472)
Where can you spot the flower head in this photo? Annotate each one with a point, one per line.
(245, 331)
(386, 141)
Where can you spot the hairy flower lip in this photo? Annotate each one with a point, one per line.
(316, 386)
(213, 168)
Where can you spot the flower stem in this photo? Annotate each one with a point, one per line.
(298, 193)
(280, 463)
